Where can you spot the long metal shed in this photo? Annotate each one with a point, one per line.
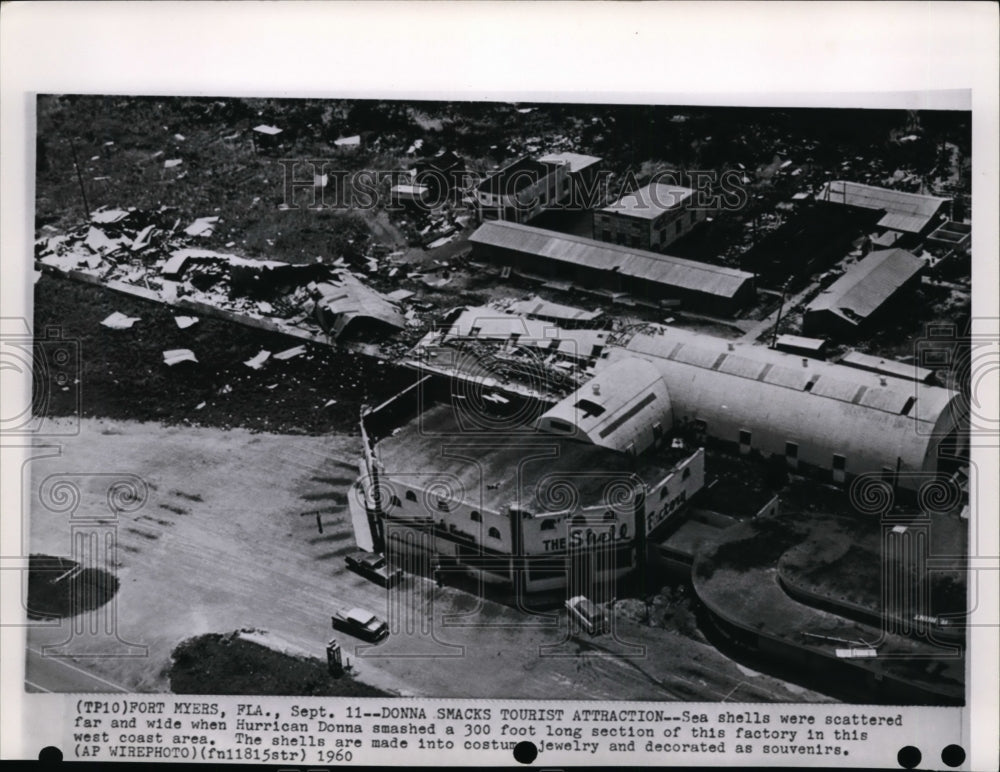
(595, 263)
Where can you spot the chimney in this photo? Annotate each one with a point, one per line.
(731, 347)
(882, 381)
(805, 362)
(597, 388)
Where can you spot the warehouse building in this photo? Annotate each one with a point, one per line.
(832, 421)
(910, 215)
(868, 289)
(649, 218)
(646, 275)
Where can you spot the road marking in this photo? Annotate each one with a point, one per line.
(62, 662)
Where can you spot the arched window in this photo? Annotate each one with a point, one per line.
(411, 496)
(396, 502)
(494, 533)
(475, 517)
(548, 525)
(609, 515)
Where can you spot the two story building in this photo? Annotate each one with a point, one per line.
(650, 218)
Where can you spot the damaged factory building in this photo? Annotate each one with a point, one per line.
(544, 458)
(524, 496)
(543, 483)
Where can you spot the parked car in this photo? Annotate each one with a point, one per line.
(373, 566)
(361, 623)
(591, 617)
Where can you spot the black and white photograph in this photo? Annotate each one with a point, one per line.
(468, 412)
(650, 402)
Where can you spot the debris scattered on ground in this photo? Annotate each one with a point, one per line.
(258, 361)
(108, 215)
(289, 353)
(118, 321)
(203, 226)
(178, 355)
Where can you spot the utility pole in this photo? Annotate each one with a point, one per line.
(781, 308)
(79, 178)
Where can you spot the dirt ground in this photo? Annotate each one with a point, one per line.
(228, 539)
(121, 373)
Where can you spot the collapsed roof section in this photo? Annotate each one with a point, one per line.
(524, 356)
(345, 305)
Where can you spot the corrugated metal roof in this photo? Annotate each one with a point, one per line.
(650, 201)
(867, 285)
(489, 324)
(538, 307)
(906, 212)
(575, 250)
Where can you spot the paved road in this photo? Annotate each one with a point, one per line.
(59, 674)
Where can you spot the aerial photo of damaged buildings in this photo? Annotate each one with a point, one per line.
(480, 399)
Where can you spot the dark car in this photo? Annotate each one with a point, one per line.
(588, 615)
(373, 566)
(362, 623)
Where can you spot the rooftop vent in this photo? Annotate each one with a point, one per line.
(805, 362)
(883, 381)
(732, 347)
(597, 387)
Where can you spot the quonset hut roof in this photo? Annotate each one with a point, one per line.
(870, 419)
(575, 250)
(614, 407)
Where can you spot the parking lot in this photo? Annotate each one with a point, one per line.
(229, 538)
